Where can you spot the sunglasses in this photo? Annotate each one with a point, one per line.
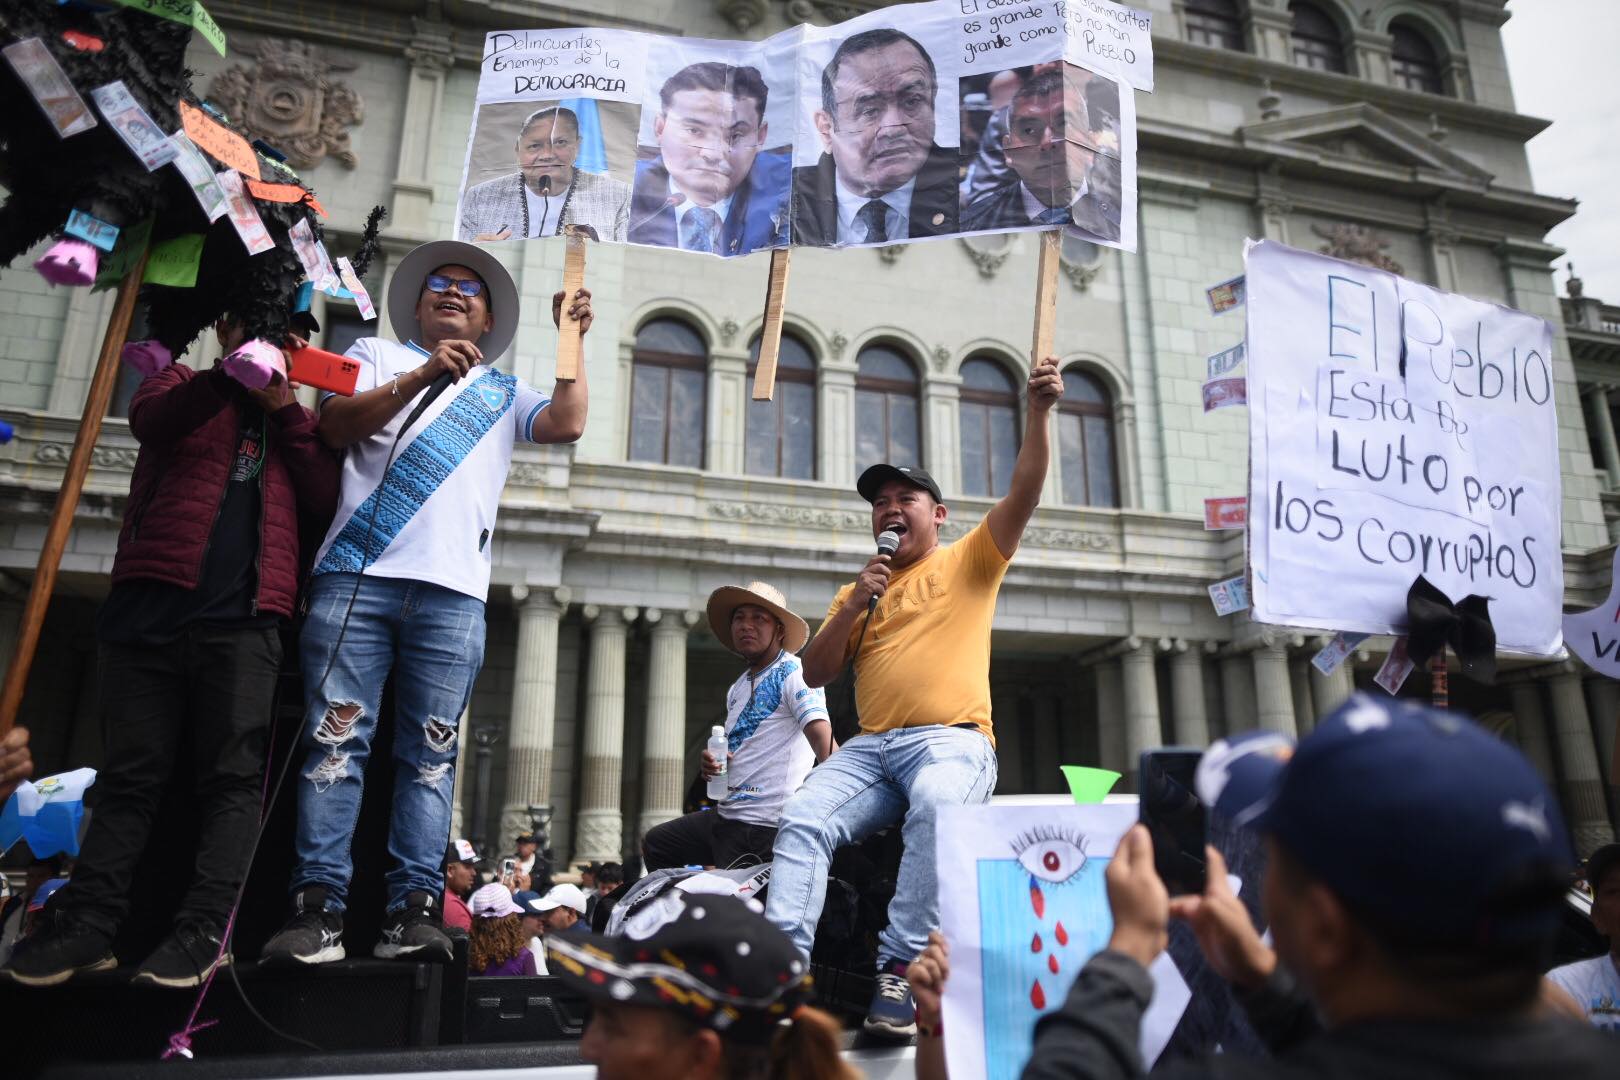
(469, 288)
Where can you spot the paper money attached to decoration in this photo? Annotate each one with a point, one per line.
(138, 131)
(1337, 651)
(49, 86)
(1229, 596)
(1231, 512)
(1226, 296)
(1222, 393)
(352, 282)
(1226, 360)
(1397, 666)
(244, 215)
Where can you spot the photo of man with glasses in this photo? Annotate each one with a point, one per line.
(709, 184)
(881, 178)
(547, 191)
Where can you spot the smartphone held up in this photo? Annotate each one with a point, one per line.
(1175, 817)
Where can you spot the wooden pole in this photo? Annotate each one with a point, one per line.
(770, 333)
(1046, 279)
(570, 339)
(67, 498)
(1439, 681)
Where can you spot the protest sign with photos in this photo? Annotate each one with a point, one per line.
(944, 118)
(1397, 430)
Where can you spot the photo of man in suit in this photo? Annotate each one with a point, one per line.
(881, 178)
(546, 192)
(709, 186)
(1056, 150)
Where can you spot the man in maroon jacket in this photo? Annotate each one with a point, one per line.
(208, 565)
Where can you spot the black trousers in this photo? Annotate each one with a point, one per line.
(201, 706)
(706, 839)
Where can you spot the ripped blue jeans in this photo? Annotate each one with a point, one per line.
(432, 639)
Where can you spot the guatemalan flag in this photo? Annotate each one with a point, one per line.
(47, 813)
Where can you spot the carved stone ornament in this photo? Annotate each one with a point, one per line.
(988, 261)
(836, 344)
(1358, 244)
(742, 14)
(103, 457)
(760, 513)
(829, 11)
(942, 356)
(1081, 276)
(290, 100)
(728, 330)
(891, 253)
(1056, 539)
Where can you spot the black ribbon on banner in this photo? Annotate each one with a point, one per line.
(1433, 622)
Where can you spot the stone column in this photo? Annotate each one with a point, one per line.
(1597, 400)
(598, 830)
(430, 58)
(835, 417)
(1043, 730)
(1584, 804)
(1237, 693)
(534, 704)
(1299, 682)
(1010, 741)
(1141, 687)
(728, 412)
(1187, 694)
(662, 758)
(1111, 716)
(1328, 692)
(941, 437)
(1602, 701)
(464, 764)
(1530, 724)
(1273, 696)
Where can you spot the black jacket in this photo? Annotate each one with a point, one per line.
(934, 199)
(1094, 1036)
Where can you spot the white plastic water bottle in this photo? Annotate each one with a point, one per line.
(717, 750)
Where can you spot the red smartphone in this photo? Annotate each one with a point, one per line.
(329, 371)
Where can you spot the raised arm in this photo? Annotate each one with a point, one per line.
(1008, 517)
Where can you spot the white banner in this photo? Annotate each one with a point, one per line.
(1396, 430)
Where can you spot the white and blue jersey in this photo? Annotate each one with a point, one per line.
(765, 719)
(435, 521)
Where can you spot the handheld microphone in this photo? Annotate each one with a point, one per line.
(669, 203)
(435, 388)
(888, 542)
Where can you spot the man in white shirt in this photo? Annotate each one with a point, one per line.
(776, 730)
(1595, 983)
(400, 581)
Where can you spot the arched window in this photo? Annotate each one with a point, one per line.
(668, 394)
(887, 425)
(989, 414)
(1086, 441)
(781, 433)
(1414, 62)
(1215, 23)
(1316, 39)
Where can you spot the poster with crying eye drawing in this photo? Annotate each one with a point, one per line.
(1024, 905)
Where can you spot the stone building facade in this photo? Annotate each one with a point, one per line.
(1383, 130)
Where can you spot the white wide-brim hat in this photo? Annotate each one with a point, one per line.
(728, 598)
(405, 288)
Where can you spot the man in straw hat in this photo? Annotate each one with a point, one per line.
(399, 583)
(776, 729)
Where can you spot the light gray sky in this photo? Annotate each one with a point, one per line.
(1564, 59)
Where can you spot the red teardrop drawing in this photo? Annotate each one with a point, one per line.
(1037, 996)
(1037, 900)
(1051, 962)
(1035, 944)
(1062, 935)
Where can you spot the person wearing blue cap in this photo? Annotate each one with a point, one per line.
(1416, 867)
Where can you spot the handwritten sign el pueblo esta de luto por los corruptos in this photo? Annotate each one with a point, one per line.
(1397, 430)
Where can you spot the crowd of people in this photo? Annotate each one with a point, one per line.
(1416, 863)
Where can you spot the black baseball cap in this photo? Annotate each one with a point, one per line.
(714, 959)
(878, 475)
(1600, 863)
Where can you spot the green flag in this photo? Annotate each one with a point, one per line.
(189, 12)
(174, 262)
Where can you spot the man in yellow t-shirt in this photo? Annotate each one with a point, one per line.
(916, 625)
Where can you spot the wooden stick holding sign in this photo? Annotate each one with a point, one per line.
(1046, 282)
(102, 383)
(770, 334)
(570, 338)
